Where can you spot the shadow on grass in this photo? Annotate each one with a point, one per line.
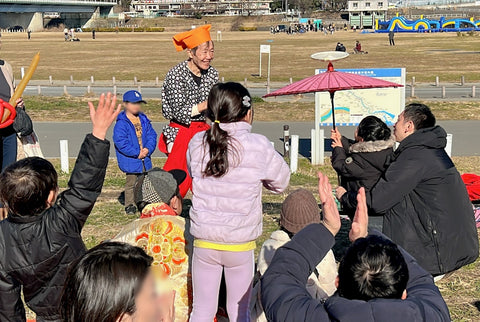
(477, 305)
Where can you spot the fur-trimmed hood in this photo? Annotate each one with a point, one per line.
(372, 146)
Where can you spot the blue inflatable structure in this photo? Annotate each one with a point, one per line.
(401, 24)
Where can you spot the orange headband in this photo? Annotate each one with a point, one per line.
(192, 38)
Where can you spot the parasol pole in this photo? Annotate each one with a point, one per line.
(332, 94)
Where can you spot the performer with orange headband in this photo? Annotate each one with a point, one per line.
(184, 97)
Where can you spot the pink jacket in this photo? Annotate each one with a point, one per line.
(229, 209)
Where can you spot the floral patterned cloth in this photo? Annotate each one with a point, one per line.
(162, 236)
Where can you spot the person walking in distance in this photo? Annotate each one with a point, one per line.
(391, 35)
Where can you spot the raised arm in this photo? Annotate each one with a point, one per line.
(85, 185)
(284, 295)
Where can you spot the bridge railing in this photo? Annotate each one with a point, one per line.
(63, 2)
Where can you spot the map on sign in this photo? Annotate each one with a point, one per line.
(351, 106)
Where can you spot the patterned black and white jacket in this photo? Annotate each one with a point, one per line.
(180, 93)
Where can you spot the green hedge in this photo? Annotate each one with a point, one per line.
(242, 28)
(127, 29)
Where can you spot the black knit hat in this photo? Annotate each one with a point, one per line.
(299, 210)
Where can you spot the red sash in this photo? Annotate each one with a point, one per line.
(177, 159)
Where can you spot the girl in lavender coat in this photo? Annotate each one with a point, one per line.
(229, 166)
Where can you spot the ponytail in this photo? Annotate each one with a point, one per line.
(227, 103)
(217, 140)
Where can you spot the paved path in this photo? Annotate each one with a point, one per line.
(421, 92)
(466, 135)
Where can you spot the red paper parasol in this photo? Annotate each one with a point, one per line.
(332, 81)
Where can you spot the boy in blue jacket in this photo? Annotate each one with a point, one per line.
(135, 140)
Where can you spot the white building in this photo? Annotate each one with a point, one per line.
(187, 7)
(363, 13)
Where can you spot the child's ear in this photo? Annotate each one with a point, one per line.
(174, 203)
(249, 117)
(52, 196)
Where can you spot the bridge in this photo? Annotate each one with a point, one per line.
(36, 15)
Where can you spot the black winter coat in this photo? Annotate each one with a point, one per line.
(35, 251)
(425, 204)
(285, 298)
(360, 164)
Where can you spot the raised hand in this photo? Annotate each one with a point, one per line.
(331, 217)
(336, 138)
(360, 221)
(105, 114)
(339, 192)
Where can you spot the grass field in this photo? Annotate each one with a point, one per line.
(148, 55)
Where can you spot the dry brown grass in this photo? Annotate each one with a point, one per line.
(73, 109)
(147, 55)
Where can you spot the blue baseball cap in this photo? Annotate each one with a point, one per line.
(133, 97)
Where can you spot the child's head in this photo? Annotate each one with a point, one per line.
(373, 267)
(29, 186)
(299, 210)
(157, 186)
(371, 128)
(111, 282)
(132, 101)
(227, 103)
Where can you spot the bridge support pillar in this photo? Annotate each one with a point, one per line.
(36, 24)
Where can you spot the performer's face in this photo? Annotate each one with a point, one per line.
(203, 55)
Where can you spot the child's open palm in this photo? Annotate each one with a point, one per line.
(104, 115)
(331, 217)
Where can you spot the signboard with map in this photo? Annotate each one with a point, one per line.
(351, 106)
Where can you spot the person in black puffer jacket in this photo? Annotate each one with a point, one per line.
(362, 162)
(422, 197)
(42, 236)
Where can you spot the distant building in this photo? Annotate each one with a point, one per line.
(16, 15)
(189, 7)
(363, 13)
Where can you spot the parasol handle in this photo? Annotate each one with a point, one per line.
(332, 94)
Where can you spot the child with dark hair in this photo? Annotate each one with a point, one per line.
(114, 282)
(360, 163)
(373, 267)
(41, 235)
(229, 165)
